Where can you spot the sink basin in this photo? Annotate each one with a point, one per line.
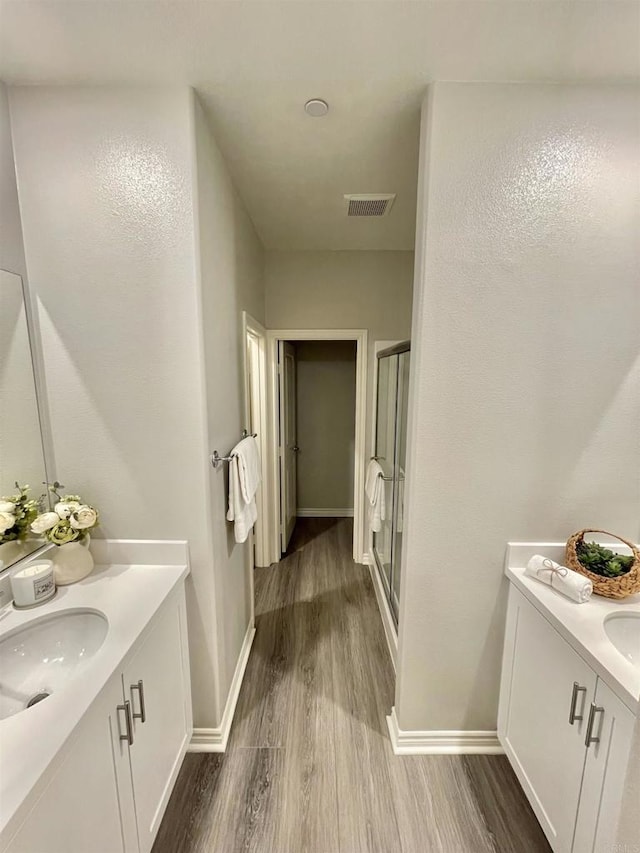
(44, 655)
(623, 630)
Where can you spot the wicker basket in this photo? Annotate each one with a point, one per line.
(619, 587)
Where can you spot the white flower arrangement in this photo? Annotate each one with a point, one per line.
(16, 514)
(70, 520)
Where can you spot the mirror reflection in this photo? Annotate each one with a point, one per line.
(22, 462)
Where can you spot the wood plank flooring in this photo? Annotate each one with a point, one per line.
(309, 767)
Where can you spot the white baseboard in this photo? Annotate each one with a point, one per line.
(388, 624)
(215, 740)
(322, 512)
(441, 742)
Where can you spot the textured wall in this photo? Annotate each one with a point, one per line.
(525, 374)
(326, 415)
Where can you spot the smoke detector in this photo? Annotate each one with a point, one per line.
(316, 107)
(369, 204)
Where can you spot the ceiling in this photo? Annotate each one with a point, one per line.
(254, 64)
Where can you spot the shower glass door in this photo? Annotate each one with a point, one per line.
(404, 360)
(385, 454)
(390, 451)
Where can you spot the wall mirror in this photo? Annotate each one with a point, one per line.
(22, 448)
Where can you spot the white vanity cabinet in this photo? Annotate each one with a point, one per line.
(85, 803)
(156, 684)
(108, 788)
(566, 734)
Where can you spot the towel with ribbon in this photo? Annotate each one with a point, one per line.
(564, 580)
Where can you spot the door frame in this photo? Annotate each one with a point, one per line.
(252, 328)
(288, 383)
(360, 336)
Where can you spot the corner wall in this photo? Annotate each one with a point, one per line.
(525, 378)
(132, 233)
(231, 272)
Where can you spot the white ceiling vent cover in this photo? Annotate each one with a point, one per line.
(369, 204)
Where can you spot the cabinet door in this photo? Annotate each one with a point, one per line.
(160, 740)
(547, 753)
(604, 774)
(87, 803)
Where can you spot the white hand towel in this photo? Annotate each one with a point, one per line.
(248, 466)
(244, 478)
(564, 580)
(374, 490)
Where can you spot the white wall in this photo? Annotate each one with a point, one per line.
(340, 290)
(326, 421)
(231, 270)
(113, 226)
(525, 366)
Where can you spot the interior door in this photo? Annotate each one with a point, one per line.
(287, 440)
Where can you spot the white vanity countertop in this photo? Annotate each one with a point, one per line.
(582, 625)
(128, 595)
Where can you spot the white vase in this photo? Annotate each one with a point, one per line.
(71, 562)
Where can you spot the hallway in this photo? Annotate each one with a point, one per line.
(309, 766)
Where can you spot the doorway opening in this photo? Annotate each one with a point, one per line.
(317, 412)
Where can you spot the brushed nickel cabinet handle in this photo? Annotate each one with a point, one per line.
(142, 716)
(593, 710)
(126, 708)
(574, 700)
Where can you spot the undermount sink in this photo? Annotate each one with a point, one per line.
(45, 654)
(623, 630)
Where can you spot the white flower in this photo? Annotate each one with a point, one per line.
(44, 522)
(83, 517)
(7, 520)
(7, 506)
(65, 508)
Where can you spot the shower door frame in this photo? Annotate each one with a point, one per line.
(386, 349)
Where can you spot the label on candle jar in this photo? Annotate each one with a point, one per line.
(42, 588)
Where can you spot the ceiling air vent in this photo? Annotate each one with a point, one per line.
(369, 204)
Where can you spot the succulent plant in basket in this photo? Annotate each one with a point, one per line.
(602, 561)
(612, 574)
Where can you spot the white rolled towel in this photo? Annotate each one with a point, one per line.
(564, 580)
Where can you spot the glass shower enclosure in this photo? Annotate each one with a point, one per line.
(390, 451)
